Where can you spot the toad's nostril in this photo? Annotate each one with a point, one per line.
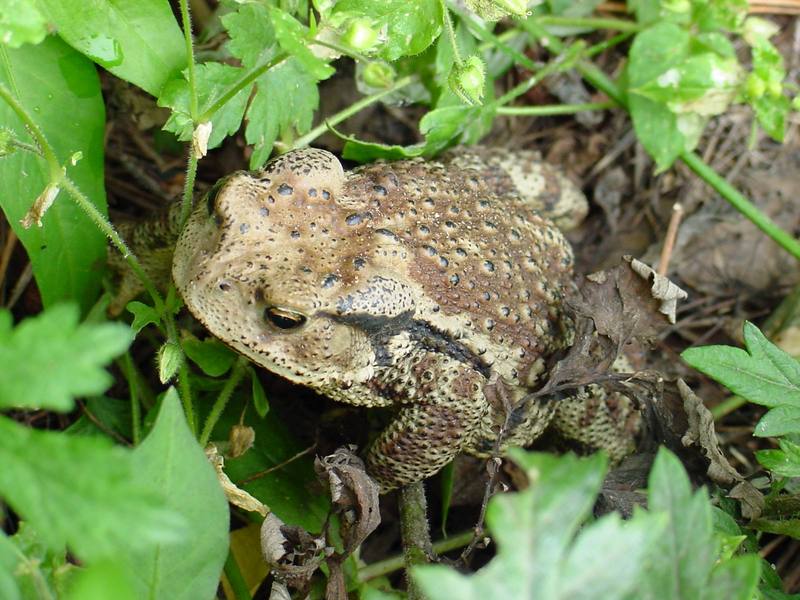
(225, 286)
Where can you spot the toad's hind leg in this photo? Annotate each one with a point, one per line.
(425, 436)
(595, 419)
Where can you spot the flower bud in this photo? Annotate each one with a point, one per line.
(467, 80)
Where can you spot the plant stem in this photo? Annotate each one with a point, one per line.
(727, 406)
(602, 82)
(187, 37)
(350, 111)
(188, 187)
(389, 565)
(238, 371)
(237, 87)
(742, 204)
(414, 532)
(235, 578)
(133, 391)
(185, 389)
(553, 109)
(451, 33)
(588, 23)
(609, 43)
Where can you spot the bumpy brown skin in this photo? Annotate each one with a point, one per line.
(428, 286)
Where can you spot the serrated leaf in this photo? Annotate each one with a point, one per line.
(51, 358)
(213, 80)
(252, 37)
(212, 356)
(137, 41)
(82, 492)
(21, 22)
(772, 113)
(407, 26)
(284, 104)
(293, 38)
(735, 579)
(763, 374)
(171, 460)
(537, 559)
(61, 91)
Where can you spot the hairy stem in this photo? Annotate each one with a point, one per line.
(390, 565)
(239, 369)
(186, 22)
(553, 109)
(350, 111)
(414, 532)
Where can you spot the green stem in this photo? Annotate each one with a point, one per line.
(602, 82)
(553, 109)
(727, 406)
(187, 37)
(451, 34)
(350, 111)
(414, 533)
(552, 67)
(390, 565)
(609, 43)
(237, 87)
(239, 369)
(188, 187)
(235, 579)
(133, 391)
(588, 23)
(36, 133)
(742, 204)
(23, 146)
(185, 389)
(344, 50)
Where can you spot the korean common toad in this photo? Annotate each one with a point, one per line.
(434, 287)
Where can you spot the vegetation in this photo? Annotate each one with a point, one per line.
(119, 500)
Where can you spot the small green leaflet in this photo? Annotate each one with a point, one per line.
(21, 22)
(763, 374)
(51, 358)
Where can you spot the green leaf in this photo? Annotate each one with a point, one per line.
(39, 571)
(212, 356)
(101, 581)
(143, 315)
(286, 489)
(284, 104)
(763, 374)
(704, 84)
(9, 557)
(686, 548)
(50, 358)
(571, 8)
(728, 15)
(685, 559)
(137, 41)
(171, 460)
(654, 52)
(61, 91)
(541, 552)
(213, 80)
(784, 462)
(82, 492)
(293, 38)
(260, 402)
(252, 37)
(21, 22)
(772, 113)
(409, 26)
(779, 421)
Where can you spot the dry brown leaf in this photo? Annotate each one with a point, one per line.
(235, 495)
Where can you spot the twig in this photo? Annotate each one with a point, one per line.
(669, 240)
(280, 465)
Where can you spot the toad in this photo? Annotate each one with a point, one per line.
(435, 288)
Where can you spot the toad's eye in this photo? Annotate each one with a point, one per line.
(211, 198)
(283, 318)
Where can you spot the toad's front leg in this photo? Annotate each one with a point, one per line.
(427, 434)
